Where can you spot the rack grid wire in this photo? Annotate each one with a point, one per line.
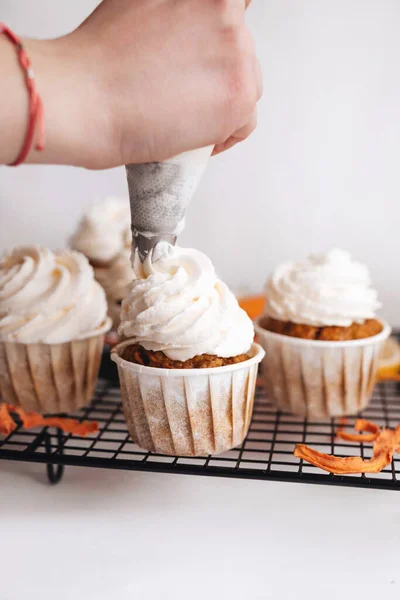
(266, 454)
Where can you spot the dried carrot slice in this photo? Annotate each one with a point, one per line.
(253, 305)
(397, 437)
(32, 419)
(7, 424)
(389, 377)
(342, 424)
(360, 425)
(383, 450)
(29, 420)
(72, 425)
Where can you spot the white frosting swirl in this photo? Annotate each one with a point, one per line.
(104, 231)
(326, 289)
(116, 277)
(178, 305)
(48, 297)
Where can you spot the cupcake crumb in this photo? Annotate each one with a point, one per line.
(356, 331)
(139, 355)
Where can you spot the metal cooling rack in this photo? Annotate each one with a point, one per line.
(266, 454)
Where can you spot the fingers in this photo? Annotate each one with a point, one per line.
(219, 148)
(250, 48)
(239, 136)
(232, 11)
(259, 78)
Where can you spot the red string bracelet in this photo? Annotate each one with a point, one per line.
(35, 114)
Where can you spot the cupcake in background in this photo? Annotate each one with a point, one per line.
(321, 335)
(104, 236)
(53, 318)
(188, 370)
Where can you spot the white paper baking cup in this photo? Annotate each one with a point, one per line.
(51, 378)
(320, 379)
(188, 412)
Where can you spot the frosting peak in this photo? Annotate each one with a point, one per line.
(48, 297)
(323, 290)
(177, 304)
(104, 231)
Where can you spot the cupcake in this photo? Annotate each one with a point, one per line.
(188, 368)
(104, 236)
(321, 335)
(53, 317)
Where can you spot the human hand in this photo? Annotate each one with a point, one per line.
(173, 76)
(144, 80)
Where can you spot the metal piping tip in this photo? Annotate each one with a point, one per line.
(145, 244)
(159, 194)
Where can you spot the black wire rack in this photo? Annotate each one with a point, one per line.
(266, 454)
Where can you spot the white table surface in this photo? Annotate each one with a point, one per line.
(122, 535)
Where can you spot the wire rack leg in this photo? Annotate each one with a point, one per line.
(54, 472)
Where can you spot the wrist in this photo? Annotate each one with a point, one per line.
(70, 103)
(14, 100)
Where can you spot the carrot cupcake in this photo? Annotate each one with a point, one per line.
(321, 335)
(188, 370)
(104, 236)
(53, 317)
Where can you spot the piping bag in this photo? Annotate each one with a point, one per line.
(159, 193)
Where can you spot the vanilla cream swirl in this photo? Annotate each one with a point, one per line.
(116, 277)
(177, 304)
(48, 297)
(326, 289)
(104, 231)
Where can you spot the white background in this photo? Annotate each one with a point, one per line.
(322, 170)
(104, 535)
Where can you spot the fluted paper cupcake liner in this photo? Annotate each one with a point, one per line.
(51, 378)
(188, 412)
(320, 379)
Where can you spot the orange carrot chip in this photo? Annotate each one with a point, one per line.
(7, 424)
(32, 419)
(383, 450)
(360, 425)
